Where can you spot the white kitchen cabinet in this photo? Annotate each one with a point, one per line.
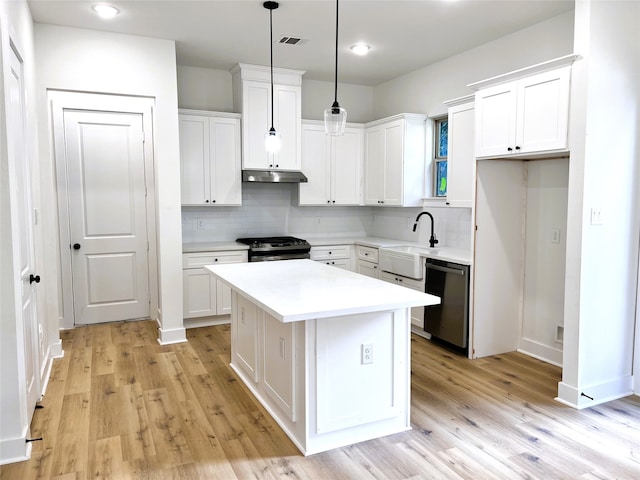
(367, 261)
(524, 117)
(334, 255)
(333, 165)
(395, 161)
(461, 162)
(203, 295)
(252, 95)
(417, 313)
(210, 158)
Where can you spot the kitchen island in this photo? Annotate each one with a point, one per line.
(325, 351)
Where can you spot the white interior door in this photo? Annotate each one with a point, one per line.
(104, 153)
(22, 217)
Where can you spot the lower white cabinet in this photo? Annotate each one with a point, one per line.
(334, 255)
(203, 295)
(417, 313)
(367, 261)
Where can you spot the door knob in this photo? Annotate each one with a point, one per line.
(34, 278)
(76, 246)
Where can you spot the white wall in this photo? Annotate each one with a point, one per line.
(356, 99)
(544, 269)
(602, 260)
(204, 89)
(424, 90)
(210, 89)
(92, 61)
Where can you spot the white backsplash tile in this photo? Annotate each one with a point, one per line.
(270, 209)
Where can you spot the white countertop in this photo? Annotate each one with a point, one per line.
(456, 255)
(295, 290)
(212, 247)
(448, 254)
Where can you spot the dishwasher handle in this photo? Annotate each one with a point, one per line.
(444, 269)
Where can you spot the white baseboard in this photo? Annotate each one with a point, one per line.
(206, 321)
(14, 450)
(172, 335)
(589, 395)
(540, 351)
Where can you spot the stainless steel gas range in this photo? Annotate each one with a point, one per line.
(266, 249)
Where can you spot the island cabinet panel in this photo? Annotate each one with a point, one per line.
(278, 347)
(244, 332)
(343, 401)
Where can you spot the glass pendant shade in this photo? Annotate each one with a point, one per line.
(272, 141)
(335, 120)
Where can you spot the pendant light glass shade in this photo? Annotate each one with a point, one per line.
(335, 117)
(335, 120)
(272, 140)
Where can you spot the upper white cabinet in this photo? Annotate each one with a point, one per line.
(333, 165)
(210, 158)
(461, 162)
(252, 97)
(524, 113)
(395, 161)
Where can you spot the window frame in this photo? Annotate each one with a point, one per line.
(439, 159)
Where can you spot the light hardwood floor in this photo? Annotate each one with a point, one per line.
(119, 405)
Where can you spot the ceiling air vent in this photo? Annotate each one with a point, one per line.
(291, 40)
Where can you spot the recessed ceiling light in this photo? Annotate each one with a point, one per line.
(105, 11)
(360, 48)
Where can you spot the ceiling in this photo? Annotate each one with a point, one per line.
(404, 34)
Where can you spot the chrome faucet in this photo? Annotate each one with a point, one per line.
(432, 239)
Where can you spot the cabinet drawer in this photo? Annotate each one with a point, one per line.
(197, 260)
(330, 252)
(403, 281)
(343, 263)
(369, 254)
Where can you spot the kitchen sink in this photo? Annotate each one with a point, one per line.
(405, 260)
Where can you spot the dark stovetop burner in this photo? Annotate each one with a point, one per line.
(274, 243)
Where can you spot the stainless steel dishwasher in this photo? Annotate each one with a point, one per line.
(448, 321)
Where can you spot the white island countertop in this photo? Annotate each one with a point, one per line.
(296, 290)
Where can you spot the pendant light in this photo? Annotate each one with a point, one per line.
(272, 139)
(335, 117)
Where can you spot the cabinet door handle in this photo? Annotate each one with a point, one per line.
(517, 147)
(509, 149)
(34, 278)
(76, 246)
(206, 201)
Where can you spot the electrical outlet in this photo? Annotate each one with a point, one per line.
(366, 353)
(555, 235)
(596, 216)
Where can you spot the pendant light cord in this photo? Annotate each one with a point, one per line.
(335, 100)
(271, 60)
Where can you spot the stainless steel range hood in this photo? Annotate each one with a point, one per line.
(273, 176)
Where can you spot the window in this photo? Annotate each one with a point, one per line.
(440, 161)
